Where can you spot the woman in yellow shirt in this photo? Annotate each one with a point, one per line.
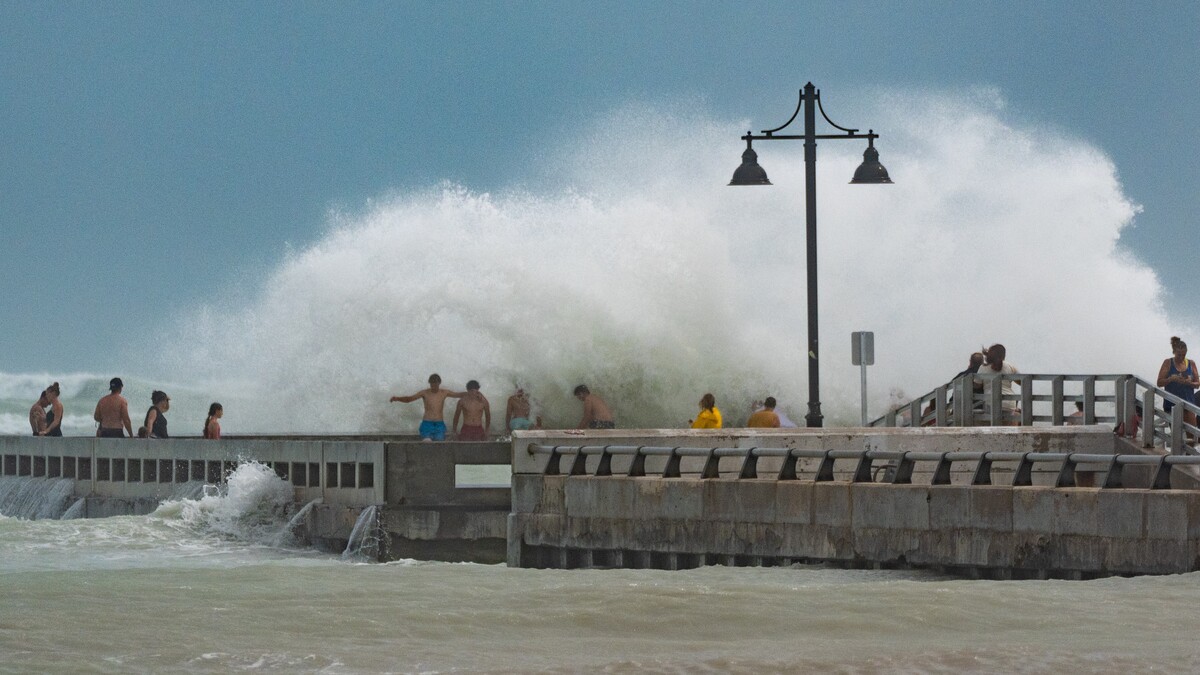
(710, 416)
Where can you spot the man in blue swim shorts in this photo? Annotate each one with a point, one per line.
(433, 425)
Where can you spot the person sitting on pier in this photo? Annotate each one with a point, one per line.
(112, 412)
(766, 417)
(994, 356)
(710, 415)
(212, 424)
(476, 415)
(596, 414)
(517, 415)
(1075, 418)
(1180, 377)
(433, 423)
(156, 420)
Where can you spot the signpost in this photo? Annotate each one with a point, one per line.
(862, 354)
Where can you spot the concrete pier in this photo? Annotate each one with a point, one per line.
(665, 514)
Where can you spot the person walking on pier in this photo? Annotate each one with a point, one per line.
(596, 414)
(156, 419)
(1180, 377)
(476, 415)
(212, 424)
(766, 417)
(710, 414)
(517, 414)
(433, 423)
(112, 412)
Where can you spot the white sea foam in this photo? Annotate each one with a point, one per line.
(628, 265)
(255, 506)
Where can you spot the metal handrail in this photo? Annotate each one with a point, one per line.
(900, 471)
(957, 403)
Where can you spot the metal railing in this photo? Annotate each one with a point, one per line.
(902, 463)
(979, 400)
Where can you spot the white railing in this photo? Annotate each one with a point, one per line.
(979, 400)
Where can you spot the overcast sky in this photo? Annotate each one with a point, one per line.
(154, 152)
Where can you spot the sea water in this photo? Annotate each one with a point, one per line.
(622, 262)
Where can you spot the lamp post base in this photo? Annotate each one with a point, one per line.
(814, 418)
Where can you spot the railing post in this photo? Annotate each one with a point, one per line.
(939, 407)
(996, 400)
(1026, 384)
(914, 413)
(1056, 402)
(1089, 400)
(1177, 429)
(963, 392)
(1148, 415)
(1120, 397)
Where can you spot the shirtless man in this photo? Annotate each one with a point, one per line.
(433, 424)
(517, 417)
(112, 412)
(476, 414)
(596, 414)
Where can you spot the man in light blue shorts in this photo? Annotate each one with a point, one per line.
(433, 425)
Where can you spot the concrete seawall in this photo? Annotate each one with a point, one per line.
(425, 509)
(590, 515)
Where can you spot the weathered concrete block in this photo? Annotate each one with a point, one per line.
(900, 507)
(831, 504)
(1149, 556)
(748, 501)
(886, 545)
(410, 523)
(1166, 514)
(1120, 514)
(527, 492)
(682, 499)
(1075, 512)
(759, 539)
(991, 509)
(588, 497)
(793, 502)
(950, 506)
(1033, 509)
(1077, 553)
(1031, 550)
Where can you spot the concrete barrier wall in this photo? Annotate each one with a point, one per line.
(989, 530)
(995, 531)
(337, 472)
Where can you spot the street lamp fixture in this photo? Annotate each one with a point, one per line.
(869, 172)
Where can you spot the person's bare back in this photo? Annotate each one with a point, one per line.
(473, 408)
(596, 413)
(112, 412)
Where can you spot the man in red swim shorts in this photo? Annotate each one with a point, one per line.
(476, 414)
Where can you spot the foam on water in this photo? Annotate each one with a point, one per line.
(630, 266)
(255, 505)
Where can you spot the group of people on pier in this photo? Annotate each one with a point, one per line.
(112, 415)
(473, 414)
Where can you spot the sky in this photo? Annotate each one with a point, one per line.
(157, 155)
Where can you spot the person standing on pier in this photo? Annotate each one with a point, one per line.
(37, 415)
(1179, 376)
(517, 415)
(433, 423)
(476, 415)
(596, 414)
(764, 417)
(212, 424)
(156, 419)
(710, 414)
(112, 412)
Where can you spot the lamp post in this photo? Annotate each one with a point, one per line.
(750, 173)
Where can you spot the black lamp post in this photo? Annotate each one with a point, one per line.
(750, 173)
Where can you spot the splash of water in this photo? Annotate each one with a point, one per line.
(255, 506)
(630, 267)
(365, 538)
